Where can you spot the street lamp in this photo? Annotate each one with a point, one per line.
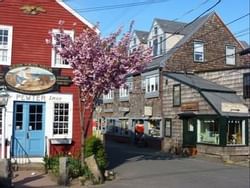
(4, 96)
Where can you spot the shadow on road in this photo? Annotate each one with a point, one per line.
(118, 153)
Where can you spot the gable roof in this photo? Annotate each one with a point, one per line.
(169, 26)
(142, 36)
(216, 95)
(189, 30)
(77, 15)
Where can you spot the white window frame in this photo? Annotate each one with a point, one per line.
(124, 91)
(69, 133)
(151, 82)
(54, 56)
(230, 55)
(7, 47)
(199, 50)
(109, 96)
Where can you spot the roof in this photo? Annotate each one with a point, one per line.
(189, 30)
(198, 83)
(217, 99)
(216, 95)
(142, 36)
(244, 44)
(169, 26)
(77, 15)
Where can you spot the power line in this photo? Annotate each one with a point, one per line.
(118, 6)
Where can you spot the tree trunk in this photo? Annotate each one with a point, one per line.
(82, 110)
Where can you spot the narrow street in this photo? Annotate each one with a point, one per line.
(142, 167)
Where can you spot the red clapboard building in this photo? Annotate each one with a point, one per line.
(42, 116)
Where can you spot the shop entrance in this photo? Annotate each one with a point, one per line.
(189, 132)
(28, 129)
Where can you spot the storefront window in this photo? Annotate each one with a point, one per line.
(208, 131)
(236, 132)
(61, 119)
(154, 128)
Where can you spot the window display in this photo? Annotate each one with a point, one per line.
(236, 132)
(154, 128)
(208, 131)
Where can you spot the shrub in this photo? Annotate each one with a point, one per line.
(74, 166)
(94, 146)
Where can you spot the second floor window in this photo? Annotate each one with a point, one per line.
(230, 55)
(246, 85)
(199, 51)
(57, 60)
(152, 83)
(5, 44)
(109, 96)
(124, 90)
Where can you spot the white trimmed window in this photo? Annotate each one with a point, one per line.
(124, 90)
(199, 51)
(152, 83)
(230, 55)
(56, 59)
(5, 44)
(109, 96)
(61, 119)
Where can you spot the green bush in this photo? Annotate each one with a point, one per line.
(74, 166)
(94, 146)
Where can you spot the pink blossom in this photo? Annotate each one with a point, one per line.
(101, 64)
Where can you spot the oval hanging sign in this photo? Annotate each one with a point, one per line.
(29, 79)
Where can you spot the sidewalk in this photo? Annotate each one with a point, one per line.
(32, 178)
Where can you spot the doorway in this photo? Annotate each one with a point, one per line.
(28, 129)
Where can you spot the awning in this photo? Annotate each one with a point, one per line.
(183, 115)
(226, 104)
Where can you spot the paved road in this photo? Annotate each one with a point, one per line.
(144, 168)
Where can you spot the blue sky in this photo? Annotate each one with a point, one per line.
(143, 16)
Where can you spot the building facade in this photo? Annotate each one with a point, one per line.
(42, 116)
(202, 46)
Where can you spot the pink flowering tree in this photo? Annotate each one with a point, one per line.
(100, 64)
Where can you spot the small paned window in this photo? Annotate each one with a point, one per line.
(57, 60)
(61, 119)
(5, 44)
(199, 51)
(230, 55)
(109, 96)
(152, 84)
(155, 47)
(246, 85)
(177, 95)
(168, 127)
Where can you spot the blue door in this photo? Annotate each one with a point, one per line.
(28, 129)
